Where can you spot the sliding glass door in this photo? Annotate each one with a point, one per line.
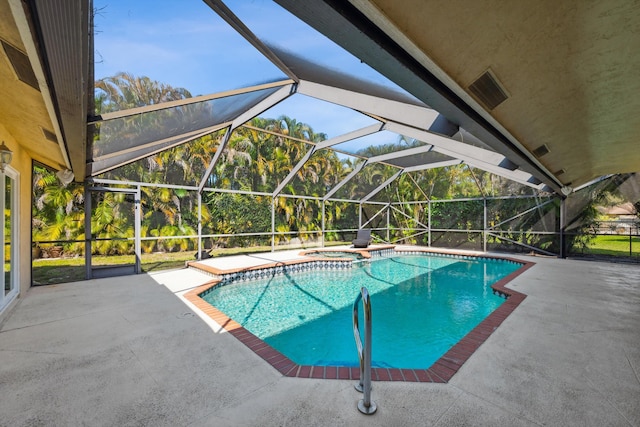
(8, 246)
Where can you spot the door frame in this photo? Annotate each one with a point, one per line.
(136, 268)
(14, 175)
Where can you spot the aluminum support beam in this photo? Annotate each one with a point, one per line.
(353, 173)
(87, 232)
(520, 214)
(325, 144)
(563, 227)
(388, 109)
(516, 176)
(137, 246)
(324, 223)
(271, 100)
(533, 248)
(409, 217)
(484, 225)
(400, 154)
(359, 133)
(178, 139)
(433, 166)
(199, 226)
(185, 101)
(380, 211)
(225, 13)
(383, 185)
(446, 145)
(294, 171)
(429, 222)
(215, 159)
(273, 224)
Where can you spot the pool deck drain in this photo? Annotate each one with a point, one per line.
(440, 372)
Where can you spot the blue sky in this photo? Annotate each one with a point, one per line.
(186, 44)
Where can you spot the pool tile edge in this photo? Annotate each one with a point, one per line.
(440, 372)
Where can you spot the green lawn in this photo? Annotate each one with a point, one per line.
(613, 245)
(47, 271)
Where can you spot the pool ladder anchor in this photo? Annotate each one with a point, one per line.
(365, 405)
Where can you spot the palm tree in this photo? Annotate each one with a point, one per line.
(124, 91)
(111, 220)
(57, 212)
(161, 207)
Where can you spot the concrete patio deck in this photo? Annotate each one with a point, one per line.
(129, 351)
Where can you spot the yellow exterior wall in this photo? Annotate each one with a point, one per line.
(22, 163)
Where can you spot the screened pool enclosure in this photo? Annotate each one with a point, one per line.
(246, 167)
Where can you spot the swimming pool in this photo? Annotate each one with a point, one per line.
(422, 306)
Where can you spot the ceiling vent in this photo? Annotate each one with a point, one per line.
(559, 172)
(21, 65)
(488, 90)
(541, 151)
(50, 135)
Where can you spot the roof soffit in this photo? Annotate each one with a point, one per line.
(570, 70)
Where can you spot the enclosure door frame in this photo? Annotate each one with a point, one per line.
(126, 269)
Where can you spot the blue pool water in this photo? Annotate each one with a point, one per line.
(422, 305)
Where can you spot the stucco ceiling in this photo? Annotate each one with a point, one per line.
(569, 69)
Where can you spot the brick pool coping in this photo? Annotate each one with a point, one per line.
(440, 372)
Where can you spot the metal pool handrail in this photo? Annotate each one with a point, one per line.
(365, 405)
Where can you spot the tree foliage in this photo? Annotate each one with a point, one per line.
(257, 158)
